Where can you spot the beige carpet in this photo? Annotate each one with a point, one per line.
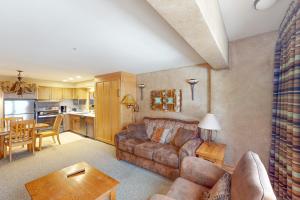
(136, 183)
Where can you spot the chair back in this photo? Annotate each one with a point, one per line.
(250, 180)
(22, 130)
(57, 123)
(5, 122)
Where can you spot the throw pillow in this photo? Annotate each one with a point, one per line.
(182, 136)
(160, 135)
(221, 190)
(150, 124)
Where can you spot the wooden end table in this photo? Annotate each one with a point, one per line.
(215, 153)
(212, 152)
(88, 185)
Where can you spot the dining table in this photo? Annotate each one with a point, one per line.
(4, 131)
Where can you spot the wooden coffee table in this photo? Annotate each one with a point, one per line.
(91, 184)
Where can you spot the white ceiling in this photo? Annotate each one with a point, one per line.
(242, 20)
(38, 36)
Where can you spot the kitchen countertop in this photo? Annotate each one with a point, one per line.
(85, 114)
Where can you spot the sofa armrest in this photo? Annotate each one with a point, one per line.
(189, 148)
(138, 130)
(200, 171)
(120, 136)
(160, 197)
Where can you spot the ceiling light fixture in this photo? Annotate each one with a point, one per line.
(78, 77)
(19, 87)
(71, 79)
(263, 4)
(65, 80)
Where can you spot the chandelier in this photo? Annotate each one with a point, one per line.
(19, 87)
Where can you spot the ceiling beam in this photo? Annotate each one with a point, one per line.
(200, 23)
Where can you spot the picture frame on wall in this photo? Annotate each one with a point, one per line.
(169, 100)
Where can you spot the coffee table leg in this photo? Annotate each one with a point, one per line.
(113, 195)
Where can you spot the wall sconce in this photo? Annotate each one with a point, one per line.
(141, 86)
(192, 83)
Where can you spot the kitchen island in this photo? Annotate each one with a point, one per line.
(80, 122)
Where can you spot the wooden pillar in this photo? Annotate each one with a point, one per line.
(209, 89)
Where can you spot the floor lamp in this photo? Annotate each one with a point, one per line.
(130, 102)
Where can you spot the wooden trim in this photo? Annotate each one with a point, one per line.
(209, 89)
(108, 77)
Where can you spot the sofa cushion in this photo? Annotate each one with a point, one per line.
(172, 124)
(147, 149)
(186, 190)
(167, 155)
(160, 135)
(151, 124)
(250, 180)
(221, 189)
(182, 136)
(129, 144)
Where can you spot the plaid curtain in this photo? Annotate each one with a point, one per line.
(284, 167)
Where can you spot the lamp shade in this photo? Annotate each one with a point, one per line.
(128, 100)
(210, 122)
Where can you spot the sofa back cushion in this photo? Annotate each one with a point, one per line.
(160, 135)
(221, 189)
(182, 136)
(168, 123)
(250, 180)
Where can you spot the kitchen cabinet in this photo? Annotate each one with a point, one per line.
(83, 125)
(44, 93)
(68, 93)
(111, 116)
(56, 93)
(81, 93)
(75, 123)
(89, 121)
(66, 123)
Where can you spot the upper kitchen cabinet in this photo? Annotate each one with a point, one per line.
(81, 93)
(56, 93)
(68, 93)
(44, 93)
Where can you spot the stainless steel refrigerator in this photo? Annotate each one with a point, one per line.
(19, 108)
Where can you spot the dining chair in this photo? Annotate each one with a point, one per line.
(22, 132)
(51, 133)
(5, 122)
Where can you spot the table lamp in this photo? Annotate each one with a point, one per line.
(210, 123)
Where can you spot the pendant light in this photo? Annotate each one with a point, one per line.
(264, 4)
(19, 87)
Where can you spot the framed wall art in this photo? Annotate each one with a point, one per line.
(166, 100)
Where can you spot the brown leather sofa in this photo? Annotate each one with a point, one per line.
(249, 180)
(134, 146)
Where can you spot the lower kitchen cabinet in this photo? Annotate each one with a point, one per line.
(82, 125)
(75, 123)
(66, 123)
(89, 121)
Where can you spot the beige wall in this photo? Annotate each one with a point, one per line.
(175, 79)
(241, 96)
